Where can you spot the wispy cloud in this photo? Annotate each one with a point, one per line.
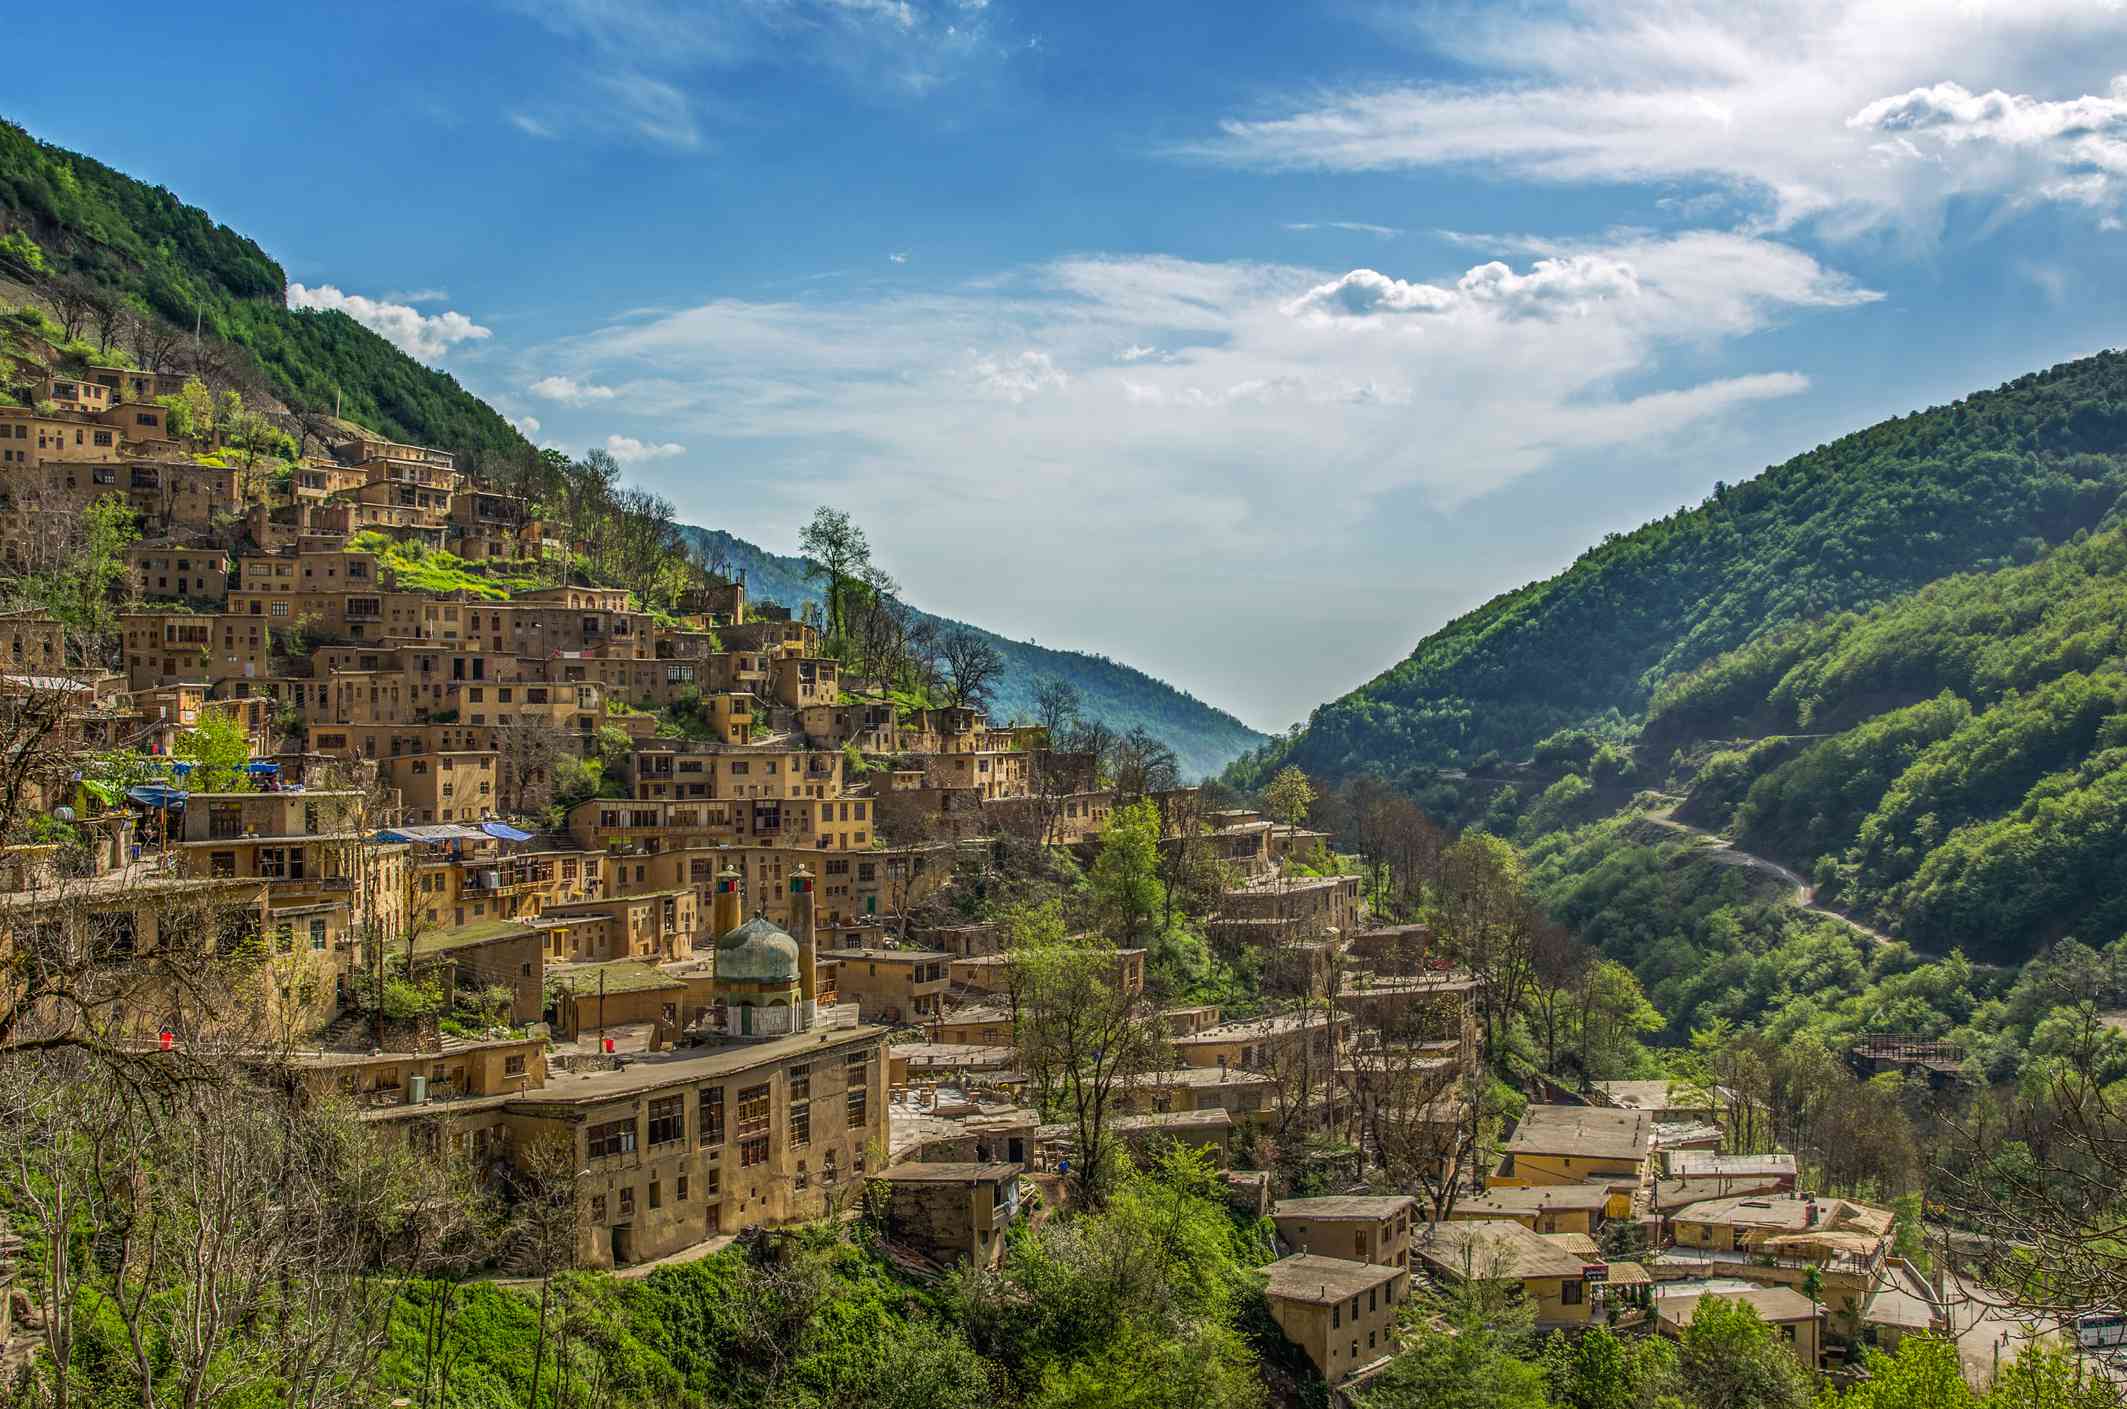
(898, 256)
(417, 334)
(570, 392)
(418, 296)
(628, 450)
(1838, 114)
(654, 62)
(1244, 411)
(1356, 227)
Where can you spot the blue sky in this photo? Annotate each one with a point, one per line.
(1243, 342)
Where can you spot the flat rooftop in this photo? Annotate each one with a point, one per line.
(1587, 1132)
(954, 1173)
(658, 1069)
(1679, 1302)
(1544, 1198)
(1309, 1277)
(1335, 1206)
(1486, 1248)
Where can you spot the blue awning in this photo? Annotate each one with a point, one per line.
(260, 765)
(156, 795)
(503, 831)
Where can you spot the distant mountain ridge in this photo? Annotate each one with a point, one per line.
(1984, 483)
(1204, 737)
(143, 244)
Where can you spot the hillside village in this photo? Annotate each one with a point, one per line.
(737, 985)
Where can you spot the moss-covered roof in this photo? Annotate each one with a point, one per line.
(621, 976)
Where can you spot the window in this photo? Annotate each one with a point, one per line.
(657, 1194)
(827, 1169)
(680, 1189)
(598, 1208)
(1359, 1246)
(513, 1066)
(1336, 1316)
(753, 1111)
(800, 1124)
(627, 1203)
(804, 1177)
(713, 1184)
(712, 1115)
(280, 609)
(801, 1083)
(615, 1137)
(753, 1152)
(1370, 1340)
(1569, 1293)
(668, 1121)
(317, 939)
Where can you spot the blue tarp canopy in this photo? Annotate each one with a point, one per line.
(503, 831)
(156, 795)
(260, 765)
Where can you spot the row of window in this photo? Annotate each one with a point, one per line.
(753, 1115)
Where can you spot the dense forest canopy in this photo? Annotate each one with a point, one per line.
(1986, 482)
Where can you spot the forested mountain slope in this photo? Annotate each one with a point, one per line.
(112, 234)
(1204, 738)
(1951, 765)
(1985, 482)
(141, 249)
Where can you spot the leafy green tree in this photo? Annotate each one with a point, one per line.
(1600, 1370)
(1288, 796)
(1083, 1037)
(1729, 1358)
(1925, 1372)
(836, 549)
(78, 590)
(1125, 878)
(188, 412)
(1473, 1358)
(218, 749)
(21, 254)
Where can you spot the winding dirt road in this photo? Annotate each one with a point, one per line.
(1724, 852)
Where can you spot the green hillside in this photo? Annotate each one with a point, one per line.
(1204, 738)
(1972, 787)
(1986, 482)
(172, 261)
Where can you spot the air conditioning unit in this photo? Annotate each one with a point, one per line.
(416, 1090)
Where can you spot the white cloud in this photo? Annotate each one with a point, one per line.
(628, 450)
(1356, 227)
(527, 424)
(899, 256)
(419, 335)
(570, 392)
(1017, 378)
(532, 126)
(629, 47)
(2072, 151)
(418, 296)
(1802, 109)
(1242, 413)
